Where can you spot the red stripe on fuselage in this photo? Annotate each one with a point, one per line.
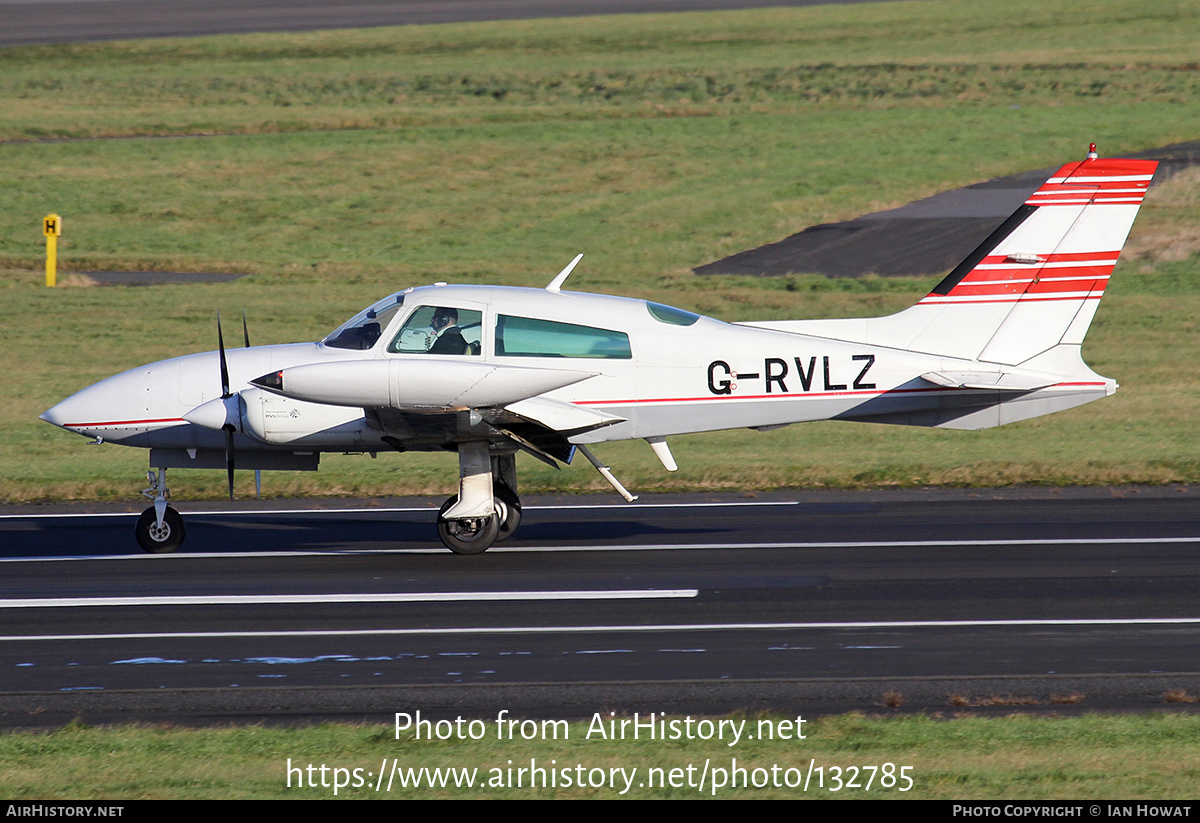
(123, 424)
(794, 395)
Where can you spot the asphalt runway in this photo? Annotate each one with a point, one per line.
(946, 601)
(28, 22)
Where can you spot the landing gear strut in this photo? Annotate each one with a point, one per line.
(485, 510)
(159, 528)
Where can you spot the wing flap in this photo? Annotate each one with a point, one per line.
(560, 416)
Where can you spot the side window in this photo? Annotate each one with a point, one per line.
(526, 337)
(671, 315)
(440, 330)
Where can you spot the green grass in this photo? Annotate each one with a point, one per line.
(1090, 757)
(651, 66)
(334, 167)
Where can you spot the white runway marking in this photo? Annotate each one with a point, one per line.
(863, 544)
(641, 547)
(401, 510)
(675, 627)
(395, 597)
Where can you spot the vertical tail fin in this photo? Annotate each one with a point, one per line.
(1035, 283)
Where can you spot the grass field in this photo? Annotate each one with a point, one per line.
(1014, 758)
(334, 167)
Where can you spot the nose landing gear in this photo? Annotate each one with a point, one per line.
(159, 529)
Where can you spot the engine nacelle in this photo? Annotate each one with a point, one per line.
(279, 420)
(428, 384)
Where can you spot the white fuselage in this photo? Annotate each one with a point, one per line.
(678, 373)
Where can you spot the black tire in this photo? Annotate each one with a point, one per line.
(471, 536)
(156, 540)
(508, 506)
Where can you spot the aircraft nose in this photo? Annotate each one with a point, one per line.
(105, 409)
(71, 412)
(54, 415)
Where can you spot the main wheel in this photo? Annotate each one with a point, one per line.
(508, 508)
(162, 539)
(474, 535)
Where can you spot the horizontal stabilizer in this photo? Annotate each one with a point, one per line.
(990, 381)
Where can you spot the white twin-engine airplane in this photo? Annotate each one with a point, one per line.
(491, 371)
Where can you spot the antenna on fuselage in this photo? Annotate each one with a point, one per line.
(556, 284)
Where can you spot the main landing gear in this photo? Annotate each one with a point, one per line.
(477, 534)
(485, 511)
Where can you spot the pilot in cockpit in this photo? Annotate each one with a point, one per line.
(449, 337)
(439, 330)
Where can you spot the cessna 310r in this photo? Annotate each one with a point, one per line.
(488, 372)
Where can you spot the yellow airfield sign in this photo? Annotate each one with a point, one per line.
(52, 228)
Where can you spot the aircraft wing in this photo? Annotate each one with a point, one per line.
(540, 426)
(566, 418)
(537, 425)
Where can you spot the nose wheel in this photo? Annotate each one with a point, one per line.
(160, 537)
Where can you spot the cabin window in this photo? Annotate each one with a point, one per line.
(526, 337)
(439, 330)
(670, 314)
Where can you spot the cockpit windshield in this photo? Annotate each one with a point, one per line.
(363, 330)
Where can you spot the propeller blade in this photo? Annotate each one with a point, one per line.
(245, 330)
(224, 364)
(228, 428)
(229, 457)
